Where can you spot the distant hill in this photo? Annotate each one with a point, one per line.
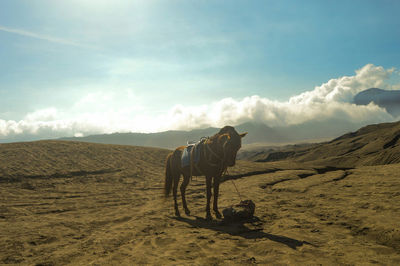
(371, 145)
(174, 138)
(258, 133)
(167, 139)
(390, 100)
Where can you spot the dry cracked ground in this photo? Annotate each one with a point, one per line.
(70, 203)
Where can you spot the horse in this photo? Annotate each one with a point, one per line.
(216, 154)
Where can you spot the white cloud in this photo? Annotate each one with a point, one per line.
(110, 112)
(48, 114)
(343, 89)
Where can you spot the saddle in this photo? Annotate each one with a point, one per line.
(242, 211)
(192, 150)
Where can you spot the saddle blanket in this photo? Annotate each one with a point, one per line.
(187, 153)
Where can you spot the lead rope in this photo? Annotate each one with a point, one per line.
(240, 197)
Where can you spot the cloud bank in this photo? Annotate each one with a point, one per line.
(330, 101)
(98, 113)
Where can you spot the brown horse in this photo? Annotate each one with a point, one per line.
(216, 154)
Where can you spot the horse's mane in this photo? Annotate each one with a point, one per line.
(230, 131)
(226, 129)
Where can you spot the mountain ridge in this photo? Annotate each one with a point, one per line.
(376, 144)
(388, 99)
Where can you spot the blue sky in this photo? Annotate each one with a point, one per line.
(87, 66)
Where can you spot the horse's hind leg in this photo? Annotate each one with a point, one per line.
(185, 182)
(208, 192)
(175, 192)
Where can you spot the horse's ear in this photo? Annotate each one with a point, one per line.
(243, 134)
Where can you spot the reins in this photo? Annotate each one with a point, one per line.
(237, 190)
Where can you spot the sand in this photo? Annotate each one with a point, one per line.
(106, 207)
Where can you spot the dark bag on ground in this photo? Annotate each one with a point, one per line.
(242, 211)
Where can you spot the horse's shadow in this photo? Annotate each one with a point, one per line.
(241, 230)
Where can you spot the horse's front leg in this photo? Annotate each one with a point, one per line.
(216, 192)
(208, 191)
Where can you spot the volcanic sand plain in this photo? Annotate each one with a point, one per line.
(95, 204)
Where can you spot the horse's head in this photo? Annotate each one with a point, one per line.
(230, 141)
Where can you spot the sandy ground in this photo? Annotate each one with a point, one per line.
(303, 216)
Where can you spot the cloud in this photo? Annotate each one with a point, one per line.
(343, 89)
(110, 112)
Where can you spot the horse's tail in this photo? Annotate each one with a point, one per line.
(168, 175)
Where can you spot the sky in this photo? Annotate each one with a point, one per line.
(80, 67)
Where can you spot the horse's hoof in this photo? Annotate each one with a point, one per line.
(177, 214)
(218, 215)
(187, 212)
(208, 217)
